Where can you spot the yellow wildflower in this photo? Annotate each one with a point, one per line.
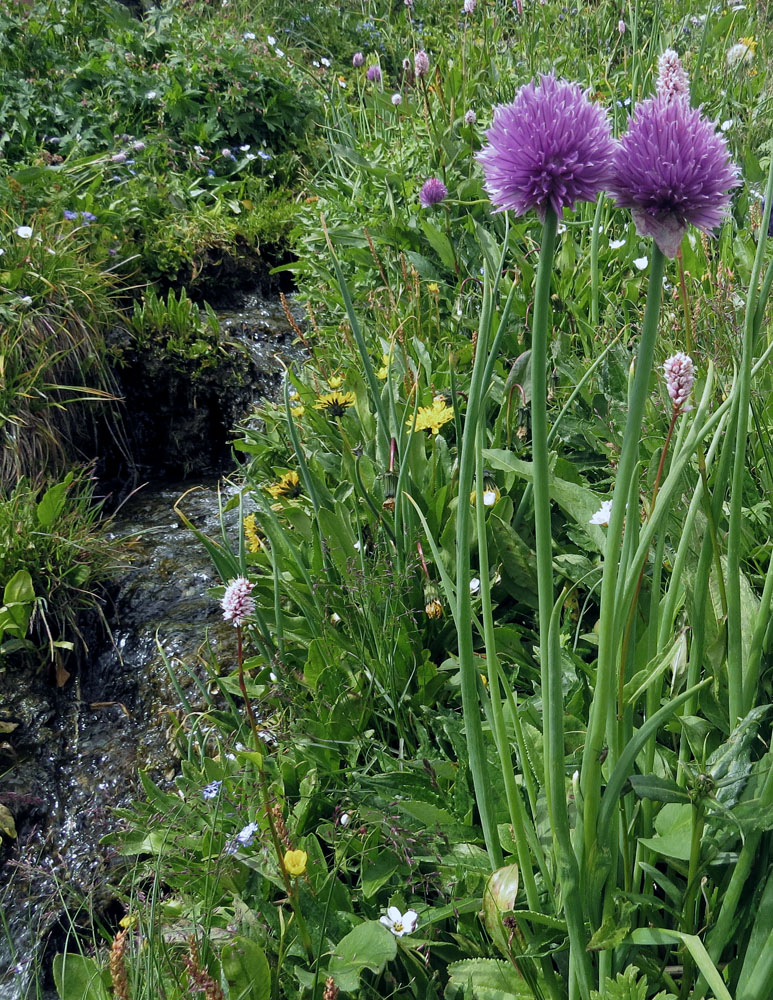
(335, 381)
(289, 485)
(750, 42)
(384, 370)
(254, 543)
(335, 403)
(295, 862)
(434, 608)
(433, 288)
(297, 411)
(432, 418)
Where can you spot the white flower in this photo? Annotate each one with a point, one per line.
(151, 95)
(640, 263)
(25, 300)
(489, 498)
(727, 124)
(345, 819)
(400, 923)
(739, 53)
(248, 36)
(335, 618)
(474, 586)
(325, 62)
(603, 514)
(273, 677)
(616, 244)
(247, 834)
(397, 99)
(1, 251)
(358, 545)
(245, 148)
(25, 232)
(279, 53)
(271, 40)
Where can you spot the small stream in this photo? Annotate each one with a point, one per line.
(75, 754)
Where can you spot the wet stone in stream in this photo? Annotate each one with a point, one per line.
(74, 755)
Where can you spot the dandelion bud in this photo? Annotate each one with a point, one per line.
(433, 607)
(390, 490)
(237, 602)
(679, 371)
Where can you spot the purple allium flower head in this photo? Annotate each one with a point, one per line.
(433, 191)
(672, 168)
(549, 147)
(358, 59)
(470, 117)
(421, 63)
(397, 99)
(118, 157)
(679, 371)
(673, 83)
(374, 73)
(237, 602)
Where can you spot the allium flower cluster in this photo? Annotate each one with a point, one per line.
(421, 63)
(672, 168)
(679, 371)
(358, 59)
(549, 147)
(238, 602)
(673, 83)
(433, 191)
(374, 74)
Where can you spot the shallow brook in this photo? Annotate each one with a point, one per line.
(74, 754)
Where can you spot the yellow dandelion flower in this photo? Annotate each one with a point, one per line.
(384, 370)
(288, 485)
(335, 403)
(254, 543)
(297, 411)
(432, 418)
(433, 288)
(750, 42)
(295, 862)
(335, 381)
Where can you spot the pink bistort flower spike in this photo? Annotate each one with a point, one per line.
(679, 371)
(673, 82)
(238, 603)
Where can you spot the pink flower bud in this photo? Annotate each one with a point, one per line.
(680, 377)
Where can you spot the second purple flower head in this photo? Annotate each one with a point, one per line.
(433, 191)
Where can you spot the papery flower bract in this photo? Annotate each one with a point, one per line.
(358, 59)
(673, 83)
(672, 168)
(679, 372)
(295, 862)
(399, 923)
(237, 602)
(421, 63)
(374, 74)
(549, 147)
(433, 191)
(603, 514)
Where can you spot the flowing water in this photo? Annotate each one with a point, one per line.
(75, 754)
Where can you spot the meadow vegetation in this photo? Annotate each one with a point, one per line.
(497, 719)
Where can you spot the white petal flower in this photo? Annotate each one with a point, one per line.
(489, 498)
(271, 40)
(474, 586)
(345, 819)
(603, 514)
(640, 263)
(616, 244)
(248, 36)
(279, 53)
(400, 923)
(25, 232)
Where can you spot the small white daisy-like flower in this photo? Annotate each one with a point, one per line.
(271, 40)
(400, 923)
(640, 263)
(248, 36)
(603, 514)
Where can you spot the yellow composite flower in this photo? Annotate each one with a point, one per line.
(384, 369)
(750, 42)
(254, 543)
(288, 485)
(295, 862)
(335, 381)
(297, 411)
(432, 418)
(335, 403)
(433, 288)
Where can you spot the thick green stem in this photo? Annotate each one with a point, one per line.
(549, 649)
(603, 705)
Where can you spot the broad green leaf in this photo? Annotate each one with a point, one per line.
(79, 978)
(674, 826)
(52, 503)
(649, 786)
(488, 979)
(246, 968)
(19, 589)
(369, 946)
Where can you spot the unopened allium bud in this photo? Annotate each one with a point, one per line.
(358, 59)
(421, 63)
(680, 376)
(237, 602)
(673, 83)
